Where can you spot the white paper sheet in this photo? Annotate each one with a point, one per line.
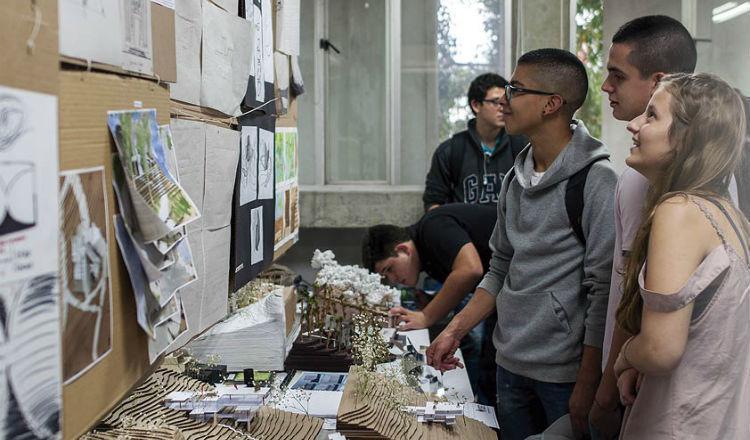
(287, 26)
(231, 6)
(214, 304)
(248, 165)
(267, 40)
(192, 294)
(188, 28)
(256, 235)
(265, 164)
(258, 64)
(190, 149)
(28, 184)
(226, 58)
(91, 30)
(136, 43)
(222, 155)
(281, 65)
(311, 403)
(481, 413)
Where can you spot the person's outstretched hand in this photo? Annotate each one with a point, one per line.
(408, 319)
(441, 353)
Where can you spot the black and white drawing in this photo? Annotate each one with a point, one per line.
(12, 120)
(18, 210)
(248, 165)
(265, 164)
(260, 93)
(256, 235)
(84, 271)
(30, 391)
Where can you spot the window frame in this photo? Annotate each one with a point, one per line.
(393, 107)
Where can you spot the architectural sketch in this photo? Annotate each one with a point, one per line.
(12, 120)
(30, 392)
(256, 235)
(248, 165)
(265, 164)
(84, 271)
(18, 198)
(260, 92)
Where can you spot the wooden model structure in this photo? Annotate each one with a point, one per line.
(327, 311)
(143, 416)
(367, 411)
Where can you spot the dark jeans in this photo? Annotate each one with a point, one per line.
(526, 406)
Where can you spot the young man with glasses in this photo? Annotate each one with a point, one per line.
(549, 273)
(470, 166)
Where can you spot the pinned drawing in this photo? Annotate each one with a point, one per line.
(265, 164)
(258, 65)
(256, 235)
(84, 271)
(160, 204)
(12, 120)
(28, 184)
(30, 391)
(248, 165)
(18, 210)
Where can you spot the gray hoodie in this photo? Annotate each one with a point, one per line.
(551, 293)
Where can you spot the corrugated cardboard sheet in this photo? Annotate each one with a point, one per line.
(85, 98)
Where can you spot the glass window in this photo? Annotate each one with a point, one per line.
(722, 41)
(356, 135)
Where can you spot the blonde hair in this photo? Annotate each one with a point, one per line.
(707, 135)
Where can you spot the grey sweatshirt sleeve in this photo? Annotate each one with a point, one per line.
(502, 251)
(598, 227)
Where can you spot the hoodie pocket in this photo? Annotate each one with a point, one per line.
(559, 311)
(527, 320)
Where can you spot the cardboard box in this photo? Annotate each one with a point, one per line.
(85, 98)
(22, 68)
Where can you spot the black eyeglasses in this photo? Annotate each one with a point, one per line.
(494, 101)
(511, 90)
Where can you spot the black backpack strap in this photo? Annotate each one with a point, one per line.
(574, 200)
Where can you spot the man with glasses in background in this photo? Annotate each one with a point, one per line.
(470, 166)
(548, 280)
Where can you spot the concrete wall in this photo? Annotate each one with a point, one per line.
(617, 13)
(359, 208)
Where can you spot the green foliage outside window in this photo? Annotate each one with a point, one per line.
(590, 49)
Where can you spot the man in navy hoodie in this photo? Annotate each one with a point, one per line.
(470, 166)
(549, 275)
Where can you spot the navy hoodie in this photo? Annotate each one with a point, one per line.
(462, 173)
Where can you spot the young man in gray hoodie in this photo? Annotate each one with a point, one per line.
(548, 280)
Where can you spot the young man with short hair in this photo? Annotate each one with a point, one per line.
(451, 244)
(643, 51)
(470, 166)
(550, 270)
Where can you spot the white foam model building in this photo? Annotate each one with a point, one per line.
(437, 412)
(353, 282)
(258, 336)
(239, 405)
